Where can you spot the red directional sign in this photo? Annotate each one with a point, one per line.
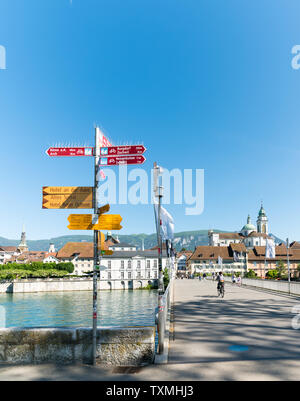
(122, 150)
(117, 160)
(68, 151)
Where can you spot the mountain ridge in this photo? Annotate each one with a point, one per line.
(183, 239)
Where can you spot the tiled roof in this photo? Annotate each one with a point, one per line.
(230, 236)
(211, 253)
(8, 248)
(238, 247)
(256, 234)
(83, 249)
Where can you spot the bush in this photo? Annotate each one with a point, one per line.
(250, 274)
(38, 267)
(166, 278)
(272, 274)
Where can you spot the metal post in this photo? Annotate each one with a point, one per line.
(288, 263)
(96, 260)
(158, 193)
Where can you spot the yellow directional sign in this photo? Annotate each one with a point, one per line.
(106, 252)
(67, 197)
(67, 190)
(101, 240)
(84, 222)
(101, 237)
(104, 209)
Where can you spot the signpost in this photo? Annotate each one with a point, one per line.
(68, 151)
(67, 190)
(84, 222)
(123, 150)
(86, 198)
(67, 197)
(118, 160)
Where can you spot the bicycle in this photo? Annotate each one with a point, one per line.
(221, 291)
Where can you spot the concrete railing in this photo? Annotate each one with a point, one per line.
(128, 346)
(273, 285)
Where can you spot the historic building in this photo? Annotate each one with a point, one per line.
(209, 259)
(123, 269)
(249, 235)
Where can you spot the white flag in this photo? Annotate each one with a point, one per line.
(270, 249)
(167, 223)
(220, 260)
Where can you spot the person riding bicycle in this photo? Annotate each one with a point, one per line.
(220, 281)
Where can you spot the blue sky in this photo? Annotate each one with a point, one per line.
(202, 84)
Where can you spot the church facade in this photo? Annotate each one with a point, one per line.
(250, 235)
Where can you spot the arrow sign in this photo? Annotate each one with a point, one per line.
(67, 190)
(67, 151)
(84, 222)
(104, 209)
(67, 197)
(123, 150)
(118, 160)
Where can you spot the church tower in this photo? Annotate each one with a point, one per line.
(262, 221)
(23, 245)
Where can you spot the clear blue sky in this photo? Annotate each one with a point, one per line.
(202, 83)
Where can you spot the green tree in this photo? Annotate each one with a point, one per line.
(250, 274)
(281, 269)
(272, 274)
(166, 277)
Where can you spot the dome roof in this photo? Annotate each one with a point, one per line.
(249, 226)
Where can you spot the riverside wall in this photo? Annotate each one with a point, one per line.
(70, 284)
(124, 346)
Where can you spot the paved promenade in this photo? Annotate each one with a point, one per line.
(248, 335)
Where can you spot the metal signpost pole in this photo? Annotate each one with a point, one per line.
(288, 263)
(158, 193)
(95, 269)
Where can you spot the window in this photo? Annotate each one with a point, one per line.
(122, 275)
(138, 275)
(122, 264)
(148, 264)
(109, 264)
(155, 263)
(138, 264)
(129, 275)
(148, 274)
(155, 274)
(129, 264)
(109, 275)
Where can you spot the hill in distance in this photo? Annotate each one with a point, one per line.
(186, 239)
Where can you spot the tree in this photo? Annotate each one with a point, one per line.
(250, 274)
(281, 269)
(166, 277)
(272, 274)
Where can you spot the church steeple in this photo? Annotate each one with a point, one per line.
(23, 245)
(262, 221)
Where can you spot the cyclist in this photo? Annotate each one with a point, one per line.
(220, 281)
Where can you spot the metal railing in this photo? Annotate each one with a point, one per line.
(162, 317)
